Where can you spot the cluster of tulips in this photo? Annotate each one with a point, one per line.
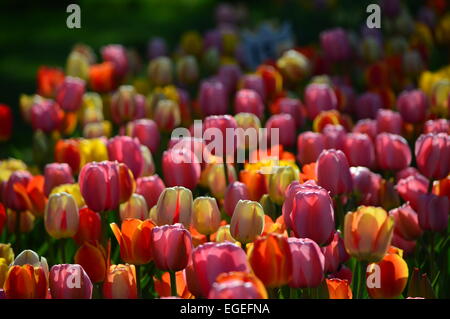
(355, 204)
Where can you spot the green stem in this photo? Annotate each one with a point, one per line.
(362, 281)
(105, 226)
(62, 247)
(173, 283)
(225, 169)
(431, 256)
(273, 293)
(18, 243)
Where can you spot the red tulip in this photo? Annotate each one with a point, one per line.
(248, 101)
(334, 136)
(48, 80)
(6, 122)
(92, 257)
(211, 259)
(406, 222)
(318, 98)
(393, 152)
(12, 195)
(333, 172)
(89, 226)
(146, 132)
(68, 151)
(213, 98)
(57, 174)
(3, 217)
(433, 212)
(334, 253)
(150, 187)
(70, 94)
(433, 155)
(307, 205)
(180, 168)
(102, 78)
(359, 150)
(236, 191)
(412, 106)
(171, 247)
(309, 147)
(389, 121)
(285, 125)
(69, 282)
(105, 185)
(308, 263)
(411, 188)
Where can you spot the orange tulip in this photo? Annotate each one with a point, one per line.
(26, 282)
(271, 260)
(394, 277)
(120, 282)
(162, 286)
(256, 183)
(339, 289)
(237, 285)
(92, 257)
(134, 240)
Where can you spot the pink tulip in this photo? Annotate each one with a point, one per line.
(406, 222)
(433, 212)
(224, 123)
(56, 174)
(229, 75)
(127, 150)
(294, 107)
(69, 95)
(366, 126)
(318, 98)
(406, 172)
(68, 281)
(254, 82)
(116, 54)
(389, 121)
(213, 98)
(235, 192)
(411, 188)
(150, 187)
(367, 105)
(180, 168)
(146, 131)
(393, 152)
(211, 259)
(407, 246)
(412, 106)
(333, 172)
(248, 101)
(437, 126)
(334, 253)
(367, 184)
(359, 150)
(308, 211)
(171, 247)
(433, 155)
(285, 124)
(308, 263)
(309, 147)
(334, 136)
(335, 44)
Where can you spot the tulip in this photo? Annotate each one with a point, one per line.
(6, 122)
(57, 174)
(70, 93)
(146, 131)
(134, 238)
(307, 205)
(6, 254)
(283, 126)
(334, 254)
(339, 289)
(294, 107)
(46, 116)
(367, 185)
(12, 197)
(171, 247)
(412, 106)
(89, 226)
(136, 208)
(237, 285)
(120, 282)
(102, 78)
(149, 165)
(318, 98)
(216, 180)
(61, 216)
(223, 234)
(205, 215)
(163, 286)
(271, 260)
(254, 82)
(72, 189)
(393, 277)
(27, 220)
(247, 222)
(411, 188)
(393, 152)
(117, 55)
(333, 172)
(212, 259)
(223, 123)
(407, 172)
(389, 121)
(280, 180)
(273, 81)
(92, 257)
(247, 121)
(229, 74)
(366, 126)
(106, 184)
(69, 282)
(77, 65)
(125, 149)
(127, 104)
(293, 65)
(187, 70)
(3, 218)
(249, 101)
(67, 151)
(167, 115)
(160, 71)
(359, 150)
(255, 181)
(433, 211)
(336, 44)
(48, 80)
(433, 155)
(213, 98)
(235, 192)
(375, 226)
(307, 263)
(150, 187)
(180, 168)
(368, 105)
(174, 206)
(334, 136)
(437, 126)
(406, 222)
(97, 129)
(93, 150)
(309, 147)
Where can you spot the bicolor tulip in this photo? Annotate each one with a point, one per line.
(308, 263)
(333, 172)
(12, 195)
(160, 70)
(167, 115)
(56, 174)
(247, 222)
(127, 104)
(135, 207)
(174, 206)
(294, 66)
(368, 233)
(393, 152)
(433, 155)
(61, 216)
(120, 282)
(205, 215)
(279, 181)
(69, 282)
(237, 285)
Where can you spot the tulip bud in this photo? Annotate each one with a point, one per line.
(336, 44)
(213, 98)
(359, 150)
(308, 263)
(223, 234)
(254, 82)
(57, 174)
(135, 207)
(48, 80)
(187, 70)
(375, 226)
(309, 147)
(160, 71)
(339, 289)
(433, 155)
(127, 150)
(389, 121)
(205, 215)
(61, 216)
(70, 94)
(12, 197)
(89, 226)
(393, 152)
(366, 126)
(280, 180)
(150, 187)
(146, 131)
(284, 126)
(406, 222)
(249, 101)
(433, 212)
(216, 179)
(120, 282)
(102, 78)
(77, 65)
(334, 136)
(235, 192)
(293, 65)
(318, 98)
(181, 168)
(367, 185)
(92, 257)
(167, 115)
(46, 116)
(69, 282)
(333, 172)
(437, 126)
(247, 222)
(174, 206)
(127, 104)
(156, 47)
(412, 106)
